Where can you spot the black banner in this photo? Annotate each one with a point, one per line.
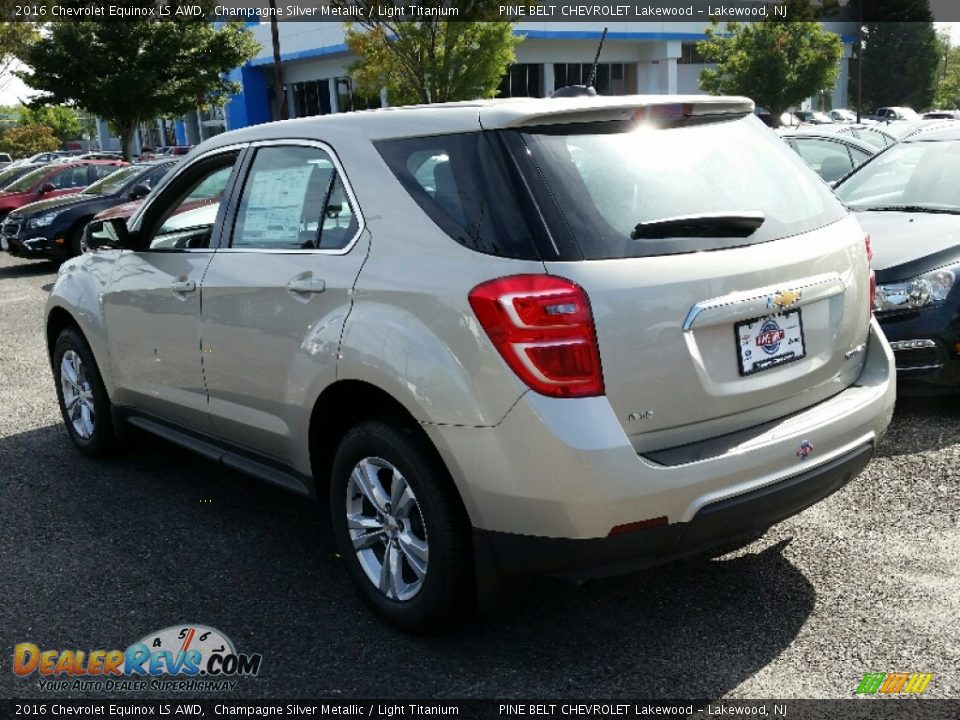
(184, 707)
(664, 11)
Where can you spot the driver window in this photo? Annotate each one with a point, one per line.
(189, 223)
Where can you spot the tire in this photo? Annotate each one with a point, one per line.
(83, 399)
(75, 239)
(428, 583)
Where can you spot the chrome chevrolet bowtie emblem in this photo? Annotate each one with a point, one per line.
(783, 299)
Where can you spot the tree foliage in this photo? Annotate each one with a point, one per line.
(15, 37)
(900, 57)
(777, 64)
(62, 120)
(429, 60)
(26, 140)
(948, 86)
(131, 71)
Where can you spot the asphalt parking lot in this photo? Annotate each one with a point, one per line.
(98, 554)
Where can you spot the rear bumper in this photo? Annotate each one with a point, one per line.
(727, 520)
(561, 474)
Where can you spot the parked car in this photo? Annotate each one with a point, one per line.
(942, 115)
(889, 114)
(831, 155)
(908, 199)
(570, 336)
(53, 228)
(53, 180)
(843, 115)
(44, 157)
(5, 160)
(879, 136)
(813, 117)
(92, 156)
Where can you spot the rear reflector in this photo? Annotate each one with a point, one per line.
(542, 326)
(639, 525)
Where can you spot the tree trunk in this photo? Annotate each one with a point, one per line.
(126, 130)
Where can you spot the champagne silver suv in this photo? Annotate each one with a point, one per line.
(572, 337)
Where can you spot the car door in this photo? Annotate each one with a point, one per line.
(67, 181)
(152, 305)
(276, 296)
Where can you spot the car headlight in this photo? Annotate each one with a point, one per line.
(42, 220)
(918, 292)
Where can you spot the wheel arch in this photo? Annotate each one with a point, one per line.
(341, 406)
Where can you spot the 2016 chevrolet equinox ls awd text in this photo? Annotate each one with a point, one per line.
(572, 337)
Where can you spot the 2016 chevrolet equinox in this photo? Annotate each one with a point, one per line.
(572, 337)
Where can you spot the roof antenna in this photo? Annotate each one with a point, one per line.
(587, 90)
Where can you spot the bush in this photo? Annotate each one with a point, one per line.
(27, 140)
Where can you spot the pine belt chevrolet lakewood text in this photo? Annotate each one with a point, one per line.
(572, 337)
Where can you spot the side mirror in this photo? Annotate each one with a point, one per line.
(110, 233)
(47, 188)
(138, 191)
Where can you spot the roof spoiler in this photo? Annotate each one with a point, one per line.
(618, 108)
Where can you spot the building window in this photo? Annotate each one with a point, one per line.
(611, 79)
(310, 98)
(348, 100)
(522, 80)
(690, 55)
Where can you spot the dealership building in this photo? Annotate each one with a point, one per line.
(637, 57)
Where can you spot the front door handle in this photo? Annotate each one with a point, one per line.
(306, 285)
(180, 287)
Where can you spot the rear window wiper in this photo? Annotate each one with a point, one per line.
(911, 208)
(722, 224)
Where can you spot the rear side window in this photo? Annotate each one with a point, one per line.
(463, 184)
(603, 180)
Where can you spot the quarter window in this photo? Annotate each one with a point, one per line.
(294, 199)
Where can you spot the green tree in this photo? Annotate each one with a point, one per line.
(948, 93)
(430, 60)
(131, 71)
(777, 64)
(27, 140)
(63, 120)
(900, 57)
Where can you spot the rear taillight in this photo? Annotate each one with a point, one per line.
(543, 327)
(873, 275)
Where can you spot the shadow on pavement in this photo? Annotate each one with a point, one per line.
(99, 553)
(28, 269)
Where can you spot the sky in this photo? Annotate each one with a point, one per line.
(12, 90)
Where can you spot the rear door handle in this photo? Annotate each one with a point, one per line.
(179, 287)
(306, 285)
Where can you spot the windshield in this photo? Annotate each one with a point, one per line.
(10, 174)
(918, 175)
(606, 184)
(28, 180)
(114, 180)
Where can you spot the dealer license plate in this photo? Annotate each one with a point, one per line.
(769, 342)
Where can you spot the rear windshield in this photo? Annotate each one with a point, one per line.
(602, 181)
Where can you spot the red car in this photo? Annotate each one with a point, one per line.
(52, 180)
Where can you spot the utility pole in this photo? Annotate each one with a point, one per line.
(280, 93)
(859, 60)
